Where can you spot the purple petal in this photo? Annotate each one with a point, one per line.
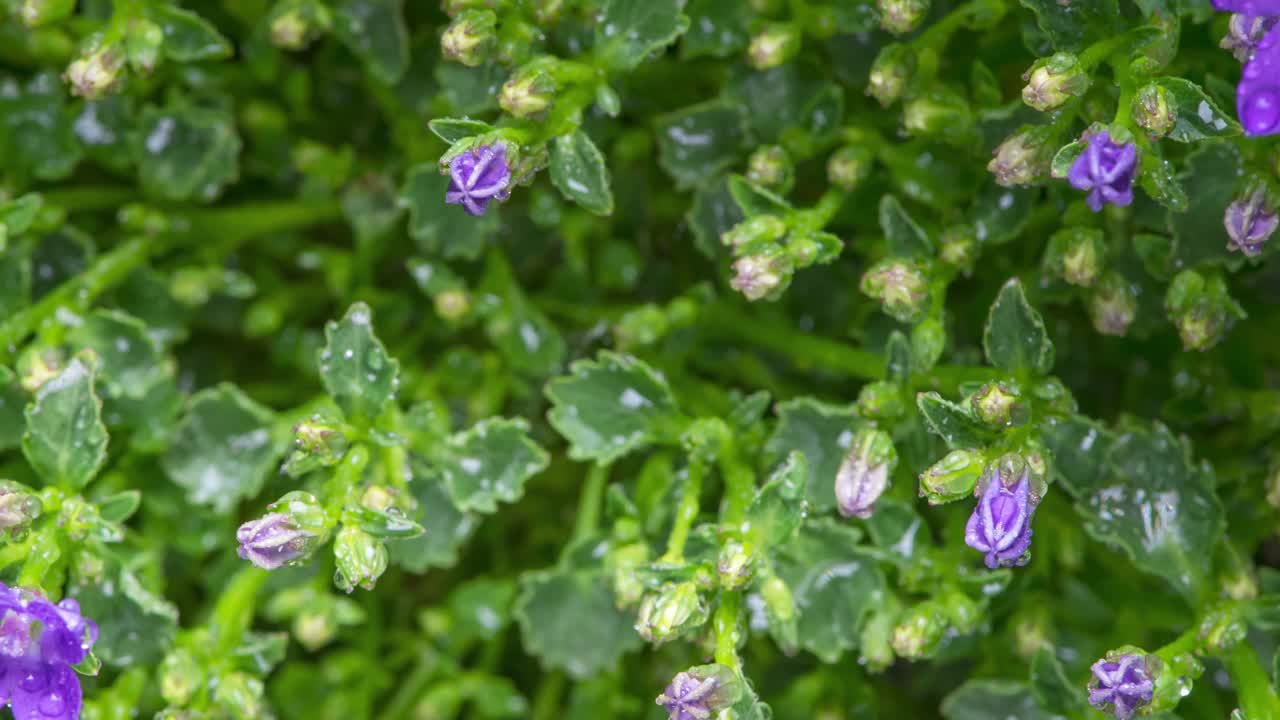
(973, 533)
(473, 206)
(1258, 94)
(1248, 7)
(1079, 176)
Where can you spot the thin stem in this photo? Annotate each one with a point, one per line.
(686, 511)
(727, 630)
(588, 517)
(740, 485)
(411, 687)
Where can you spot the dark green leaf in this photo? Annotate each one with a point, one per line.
(375, 31)
(954, 423)
(580, 173)
(754, 200)
(490, 463)
(569, 621)
(37, 137)
(1015, 338)
(822, 434)
(713, 213)
(135, 626)
(1070, 26)
(186, 153)
(778, 509)
(12, 400)
(1050, 687)
(1157, 179)
(994, 700)
(629, 30)
(697, 143)
(1210, 180)
(999, 213)
(905, 236)
(1196, 116)
(441, 229)
(355, 367)
(188, 37)
(717, 28)
(66, 441)
(447, 527)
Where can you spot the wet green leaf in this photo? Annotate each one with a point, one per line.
(697, 143)
(1071, 26)
(490, 463)
(355, 366)
(375, 31)
(579, 172)
(629, 30)
(66, 441)
(1015, 338)
(569, 622)
(905, 236)
(447, 527)
(952, 422)
(717, 28)
(821, 433)
(186, 153)
(1196, 115)
(135, 625)
(189, 37)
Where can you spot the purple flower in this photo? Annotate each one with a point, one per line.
(1248, 7)
(1001, 523)
(1249, 222)
(478, 176)
(1123, 681)
(1105, 169)
(272, 541)
(1244, 32)
(39, 642)
(699, 692)
(1258, 94)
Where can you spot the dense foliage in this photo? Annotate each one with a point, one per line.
(579, 359)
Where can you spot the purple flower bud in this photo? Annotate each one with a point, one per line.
(39, 642)
(1258, 94)
(1244, 32)
(272, 541)
(1122, 681)
(1249, 221)
(478, 176)
(864, 474)
(1106, 170)
(699, 692)
(1001, 523)
(1248, 7)
(763, 275)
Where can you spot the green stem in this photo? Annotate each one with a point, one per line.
(686, 511)
(589, 502)
(740, 485)
(546, 704)
(233, 614)
(727, 629)
(411, 687)
(88, 198)
(1257, 697)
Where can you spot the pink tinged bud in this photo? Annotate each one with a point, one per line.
(272, 541)
(1121, 684)
(864, 474)
(1106, 170)
(478, 176)
(1258, 94)
(756, 276)
(1249, 222)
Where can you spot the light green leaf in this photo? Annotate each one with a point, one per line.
(451, 130)
(754, 200)
(222, 449)
(355, 367)
(822, 434)
(1196, 116)
(1050, 687)
(1015, 338)
(697, 143)
(953, 423)
(374, 30)
(189, 37)
(490, 463)
(447, 527)
(186, 153)
(629, 30)
(578, 170)
(994, 700)
(778, 508)
(438, 228)
(611, 406)
(568, 620)
(66, 441)
(905, 236)
(130, 359)
(835, 584)
(135, 626)
(15, 281)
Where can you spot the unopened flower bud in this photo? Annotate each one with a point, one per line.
(361, 559)
(865, 472)
(18, 507)
(452, 305)
(93, 74)
(920, 631)
(286, 536)
(901, 286)
(1076, 254)
(1249, 221)
(317, 443)
(849, 166)
(1244, 32)
(240, 695)
(470, 37)
(960, 610)
(1123, 682)
(529, 92)
(1113, 305)
(669, 611)
(928, 340)
(770, 166)
(890, 71)
(959, 247)
(875, 645)
(953, 477)
(295, 24)
(1054, 80)
(881, 400)
(700, 692)
(755, 232)
(996, 405)
(773, 46)
(940, 113)
(1153, 110)
(736, 565)
(1024, 157)
(763, 275)
(181, 675)
(1000, 525)
(1201, 309)
(901, 16)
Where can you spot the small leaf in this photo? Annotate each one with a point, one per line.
(375, 31)
(612, 406)
(953, 423)
(569, 621)
(1157, 179)
(130, 359)
(186, 153)
(120, 507)
(822, 434)
(355, 367)
(1066, 156)
(1210, 177)
(778, 509)
(490, 463)
(1015, 338)
(481, 608)
(66, 441)
(222, 449)
(37, 131)
(1196, 116)
(629, 30)
(713, 213)
(451, 130)
(999, 213)
(1070, 26)
(15, 281)
(896, 527)
(440, 229)
(447, 527)
(905, 236)
(993, 700)
(135, 626)
(697, 143)
(579, 172)
(717, 28)
(1050, 687)
(189, 37)
(754, 200)
(834, 583)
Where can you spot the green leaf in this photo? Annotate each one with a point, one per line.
(568, 620)
(355, 367)
(222, 449)
(447, 527)
(1070, 26)
(185, 152)
(896, 527)
(1210, 178)
(37, 135)
(1066, 156)
(438, 228)
(629, 30)
(754, 200)
(713, 213)
(135, 626)
(490, 463)
(999, 213)
(18, 214)
(1196, 116)
(1150, 500)
(579, 172)
(697, 143)
(130, 359)
(375, 32)
(528, 340)
(1050, 687)
(120, 506)
(612, 406)
(66, 441)
(189, 37)
(15, 281)
(451, 130)
(1157, 179)
(835, 585)
(953, 423)
(822, 434)
(12, 401)
(994, 700)
(1015, 338)
(778, 509)
(717, 28)
(905, 236)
